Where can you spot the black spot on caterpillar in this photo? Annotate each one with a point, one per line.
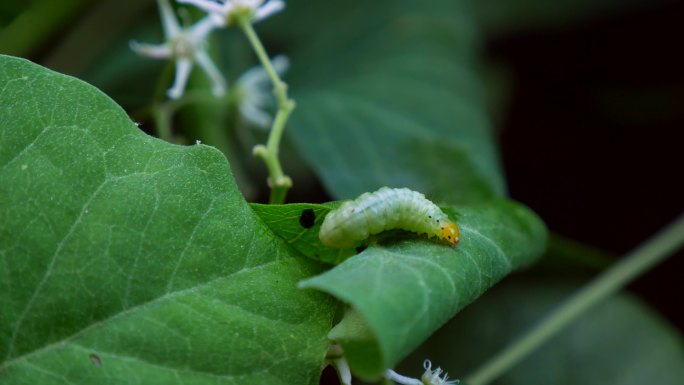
(386, 209)
(307, 219)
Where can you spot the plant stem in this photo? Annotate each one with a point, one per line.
(278, 181)
(639, 260)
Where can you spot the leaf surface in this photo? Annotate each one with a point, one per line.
(125, 259)
(400, 292)
(298, 224)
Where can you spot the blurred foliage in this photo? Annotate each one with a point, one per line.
(620, 341)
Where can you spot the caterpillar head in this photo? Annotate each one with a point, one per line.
(449, 232)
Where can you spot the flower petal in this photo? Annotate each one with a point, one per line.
(207, 6)
(183, 68)
(168, 19)
(218, 82)
(158, 51)
(268, 9)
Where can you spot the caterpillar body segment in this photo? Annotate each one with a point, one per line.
(386, 209)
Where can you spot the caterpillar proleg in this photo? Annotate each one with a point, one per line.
(385, 209)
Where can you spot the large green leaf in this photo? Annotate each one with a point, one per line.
(387, 95)
(124, 259)
(620, 341)
(401, 292)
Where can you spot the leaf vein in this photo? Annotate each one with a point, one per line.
(51, 265)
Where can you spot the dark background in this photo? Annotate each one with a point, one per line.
(592, 134)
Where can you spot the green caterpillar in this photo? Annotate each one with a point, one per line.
(385, 209)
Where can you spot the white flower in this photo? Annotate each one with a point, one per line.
(225, 13)
(431, 377)
(255, 92)
(186, 46)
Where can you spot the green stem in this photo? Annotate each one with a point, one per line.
(631, 266)
(278, 181)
